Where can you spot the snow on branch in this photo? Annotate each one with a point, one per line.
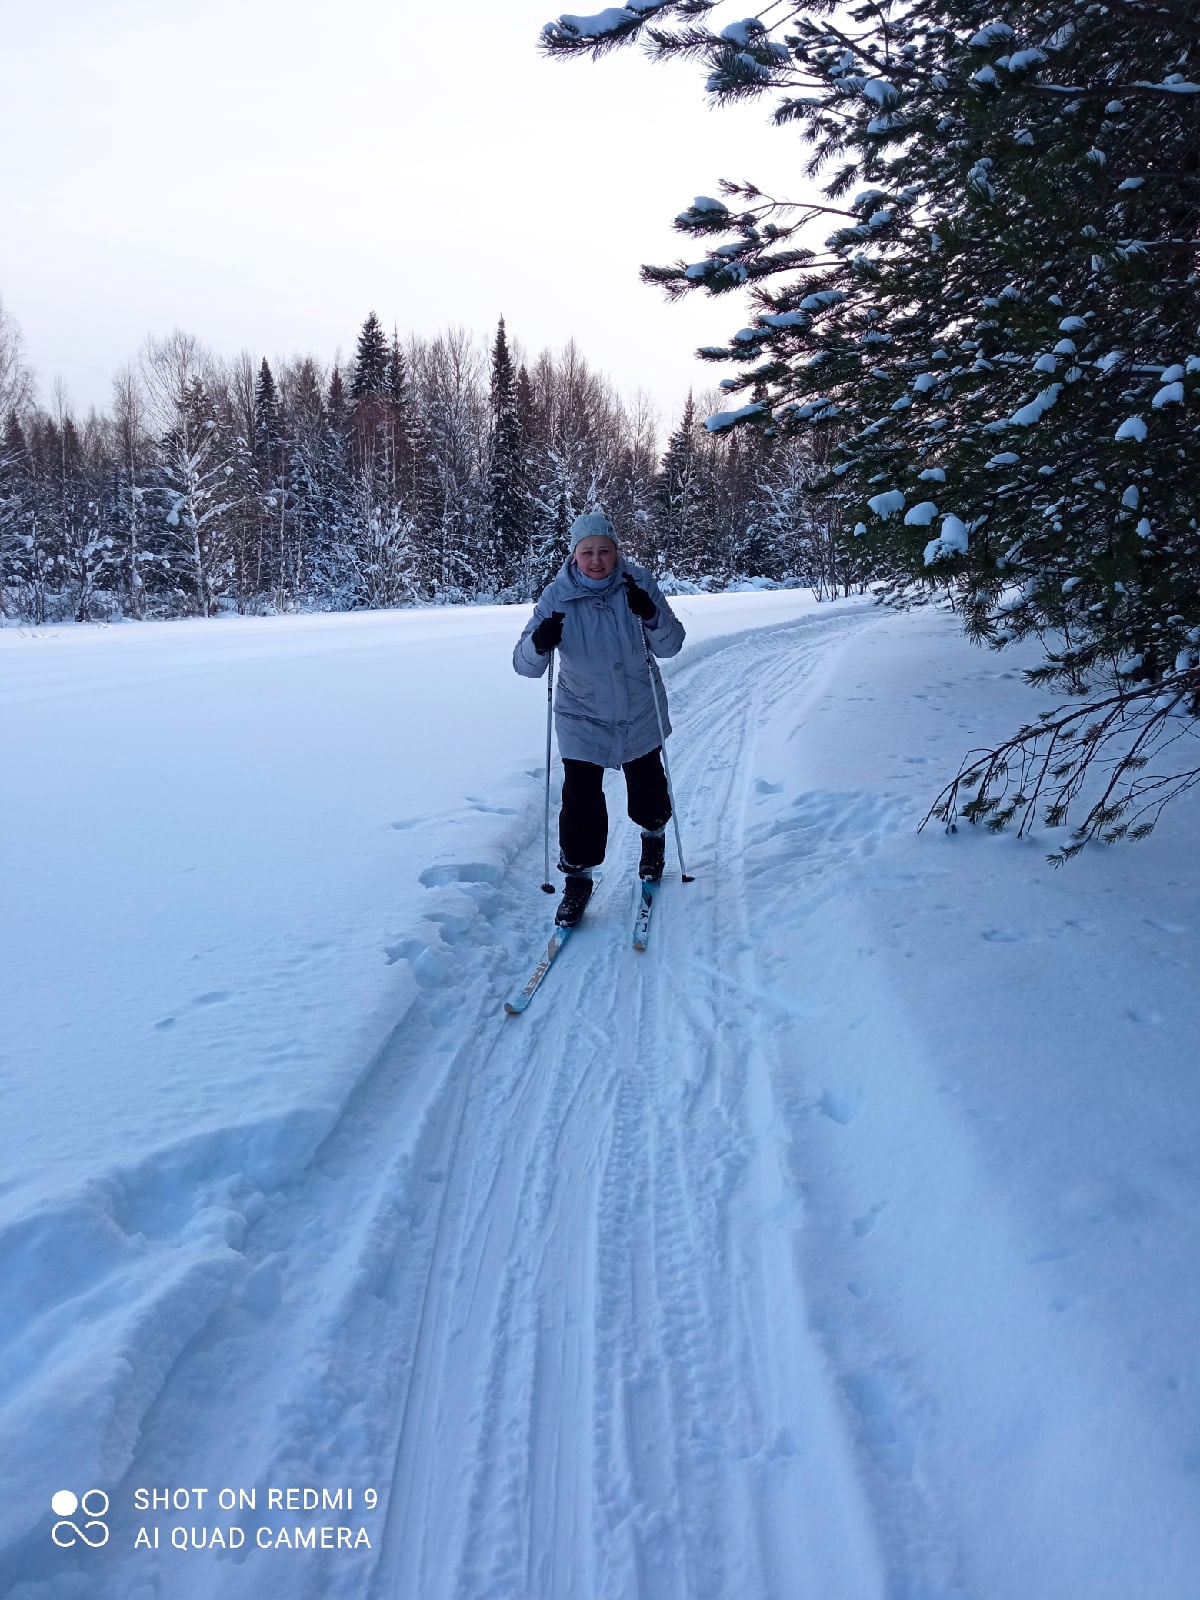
(1044, 768)
(571, 34)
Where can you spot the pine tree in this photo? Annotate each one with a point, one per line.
(684, 512)
(195, 487)
(1002, 325)
(267, 491)
(85, 557)
(370, 377)
(26, 556)
(507, 492)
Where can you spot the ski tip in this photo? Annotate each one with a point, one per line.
(687, 878)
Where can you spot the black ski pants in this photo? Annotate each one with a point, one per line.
(583, 820)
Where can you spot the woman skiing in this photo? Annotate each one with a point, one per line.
(596, 613)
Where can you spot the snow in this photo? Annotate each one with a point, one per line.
(1027, 415)
(726, 419)
(880, 92)
(743, 33)
(1170, 394)
(823, 297)
(606, 21)
(993, 33)
(886, 504)
(921, 515)
(1133, 428)
(950, 542)
(841, 1245)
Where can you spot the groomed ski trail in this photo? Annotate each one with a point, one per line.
(618, 1384)
(573, 1354)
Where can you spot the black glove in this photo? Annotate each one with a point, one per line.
(640, 602)
(547, 635)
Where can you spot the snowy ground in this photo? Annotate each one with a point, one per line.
(839, 1247)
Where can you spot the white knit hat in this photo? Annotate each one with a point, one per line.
(592, 525)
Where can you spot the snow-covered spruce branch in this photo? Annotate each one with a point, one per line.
(1041, 771)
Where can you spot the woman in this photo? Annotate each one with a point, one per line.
(596, 613)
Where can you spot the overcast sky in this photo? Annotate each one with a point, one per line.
(262, 173)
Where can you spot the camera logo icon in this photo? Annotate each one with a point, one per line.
(80, 1518)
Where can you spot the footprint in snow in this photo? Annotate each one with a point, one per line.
(863, 1225)
(461, 872)
(841, 1108)
(404, 950)
(830, 826)
(763, 788)
(1161, 925)
(211, 997)
(888, 1434)
(452, 926)
(427, 965)
(489, 806)
(1008, 936)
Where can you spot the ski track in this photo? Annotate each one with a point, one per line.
(573, 1355)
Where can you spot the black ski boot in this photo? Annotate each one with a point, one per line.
(576, 894)
(654, 849)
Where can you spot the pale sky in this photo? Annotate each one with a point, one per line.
(262, 173)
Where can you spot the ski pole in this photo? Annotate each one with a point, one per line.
(662, 742)
(547, 886)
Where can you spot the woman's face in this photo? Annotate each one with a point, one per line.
(596, 557)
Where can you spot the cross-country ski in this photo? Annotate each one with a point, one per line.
(519, 1001)
(559, 934)
(641, 919)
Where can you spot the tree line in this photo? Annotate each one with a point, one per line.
(434, 470)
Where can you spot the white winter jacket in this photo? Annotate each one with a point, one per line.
(603, 709)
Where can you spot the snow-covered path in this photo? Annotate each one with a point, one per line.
(838, 1246)
(602, 1403)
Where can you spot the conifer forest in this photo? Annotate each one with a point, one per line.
(429, 471)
